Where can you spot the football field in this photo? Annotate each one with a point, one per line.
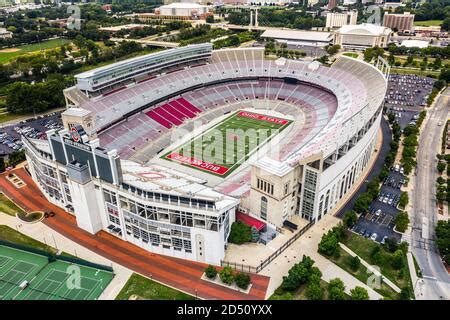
(224, 147)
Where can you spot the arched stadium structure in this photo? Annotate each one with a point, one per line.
(141, 149)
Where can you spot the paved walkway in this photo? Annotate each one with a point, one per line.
(371, 268)
(178, 273)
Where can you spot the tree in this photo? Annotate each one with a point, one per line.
(355, 263)
(240, 233)
(441, 166)
(336, 289)
(391, 245)
(314, 291)
(359, 293)
(211, 272)
(406, 293)
(443, 239)
(329, 244)
(350, 218)
(242, 280)
(298, 274)
(210, 19)
(398, 259)
(226, 275)
(404, 199)
(402, 221)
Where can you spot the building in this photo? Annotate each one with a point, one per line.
(332, 4)
(131, 26)
(337, 19)
(415, 43)
(5, 34)
(403, 23)
(362, 36)
(297, 37)
(184, 10)
(429, 31)
(115, 166)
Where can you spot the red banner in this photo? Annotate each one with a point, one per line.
(262, 117)
(198, 163)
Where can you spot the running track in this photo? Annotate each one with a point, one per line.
(178, 273)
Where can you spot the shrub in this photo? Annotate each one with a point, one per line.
(242, 280)
(406, 293)
(226, 275)
(355, 263)
(314, 291)
(240, 233)
(359, 293)
(336, 289)
(211, 272)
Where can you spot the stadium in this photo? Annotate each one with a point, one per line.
(166, 150)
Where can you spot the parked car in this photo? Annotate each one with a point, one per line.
(373, 237)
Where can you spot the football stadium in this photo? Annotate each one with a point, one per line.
(165, 150)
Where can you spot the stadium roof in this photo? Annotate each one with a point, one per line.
(310, 36)
(160, 179)
(183, 5)
(365, 29)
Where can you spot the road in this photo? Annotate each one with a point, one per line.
(436, 281)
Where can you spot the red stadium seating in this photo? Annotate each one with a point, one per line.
(182, 109)
(152, 114)
(188, 105)
(164, 113)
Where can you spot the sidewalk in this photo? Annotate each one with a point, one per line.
(371, 268)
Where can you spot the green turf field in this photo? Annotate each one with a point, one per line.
(8, 55)
(224, 147)
(56, 280)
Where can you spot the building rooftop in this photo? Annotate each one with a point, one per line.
(415, 43)
(183, 5)
(297, 35)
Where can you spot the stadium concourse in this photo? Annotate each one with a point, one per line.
(181, 274)
(162, 150)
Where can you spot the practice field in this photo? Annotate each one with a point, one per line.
(55, 280)
(8, 54)
(224, 147)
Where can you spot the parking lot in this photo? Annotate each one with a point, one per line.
(408, 91)
(379, 221)
(10, 140)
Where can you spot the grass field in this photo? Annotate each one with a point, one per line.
(8, 207)
(364, 247)
(48, 44)
(150, 290)
(344, 261)
(48, 280)
(428, 23)
(350, 54)
(223, 148)
(11, 235)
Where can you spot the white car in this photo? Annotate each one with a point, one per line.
(378, 212)
(373, 237)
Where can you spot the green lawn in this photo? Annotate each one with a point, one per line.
(363, 248)
(223, 148)
(350, 54)
(361, 273)
(148, 289)
(11, 235)
(8, 207)
(300, 293)
(48, 44)
(418, 72)
(428, 23)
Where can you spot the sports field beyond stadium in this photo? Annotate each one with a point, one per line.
(224, 147)
(55, 280)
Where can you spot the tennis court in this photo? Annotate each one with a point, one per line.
(56, 280)
(15, 267)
